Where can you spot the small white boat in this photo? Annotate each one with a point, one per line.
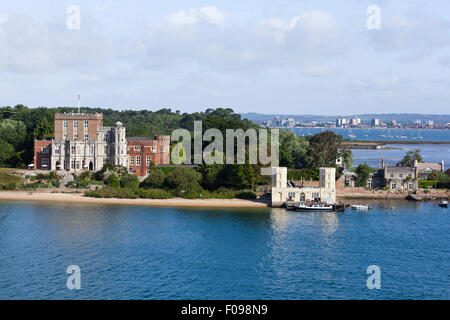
(313, 207)
(359, 207)
(443, 204)
(352, 136)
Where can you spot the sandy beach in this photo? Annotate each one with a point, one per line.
(176, 202)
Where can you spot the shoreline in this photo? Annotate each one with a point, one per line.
(174, 202)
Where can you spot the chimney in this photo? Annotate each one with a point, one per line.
(382, 162)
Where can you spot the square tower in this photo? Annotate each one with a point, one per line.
(279, 177)
(327, 178)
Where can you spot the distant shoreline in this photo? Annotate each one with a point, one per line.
(175, 202)
(384, 142)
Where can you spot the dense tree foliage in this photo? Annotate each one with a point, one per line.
(410, 157)
(363, 174)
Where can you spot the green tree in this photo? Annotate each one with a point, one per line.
(363, 174)
(410, 157)
(292, 149)
(130, 181)
(184, 179)
(155, 179)
(6, 153)
(43, 130)
(113, 180)
(212, 176)
(347, 157)
(323, 150)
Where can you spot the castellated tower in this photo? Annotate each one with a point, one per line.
(279, 177)
(327, 178)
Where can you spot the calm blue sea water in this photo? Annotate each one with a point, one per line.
(168, 253)
(434, 153)
(382, 134)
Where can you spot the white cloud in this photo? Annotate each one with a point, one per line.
(210, 15)
(413, 36)
(28, 45)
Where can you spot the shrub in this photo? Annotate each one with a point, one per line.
(300, 174)
(130, 181)
(427, 184)
(113, 180)
(246, 195)
(155, 179)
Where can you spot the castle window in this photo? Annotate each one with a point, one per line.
(91, 150)
(44, 163)
(86, 137)
(153, 148)
(137, 148)
(65, 123)
(73, 150)
(65, 136)
(401, 175)
(132, 161)
(75, 124)
(75, 136)
(138, 160)
(392, 175)
(86, 124)
(45, 150)
(148, 161)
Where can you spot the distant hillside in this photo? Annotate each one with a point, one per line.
(403, 118)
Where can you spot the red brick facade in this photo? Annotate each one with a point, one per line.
(42, 154)
(143, 151)
(74, 126)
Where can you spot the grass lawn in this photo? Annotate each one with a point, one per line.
(6, 177)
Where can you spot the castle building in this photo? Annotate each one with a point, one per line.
(283, 190)
(81, 142)
(145, 152)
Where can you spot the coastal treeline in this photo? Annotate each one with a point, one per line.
(303, 156)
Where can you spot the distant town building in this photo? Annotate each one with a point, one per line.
(81, 142)
(375, 122)
(341, 122)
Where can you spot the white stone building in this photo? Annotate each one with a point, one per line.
(282, 191)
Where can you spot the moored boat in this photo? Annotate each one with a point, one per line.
(359, 207)
(314, 207)
(443, 204)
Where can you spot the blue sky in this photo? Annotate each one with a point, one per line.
(286, 57)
